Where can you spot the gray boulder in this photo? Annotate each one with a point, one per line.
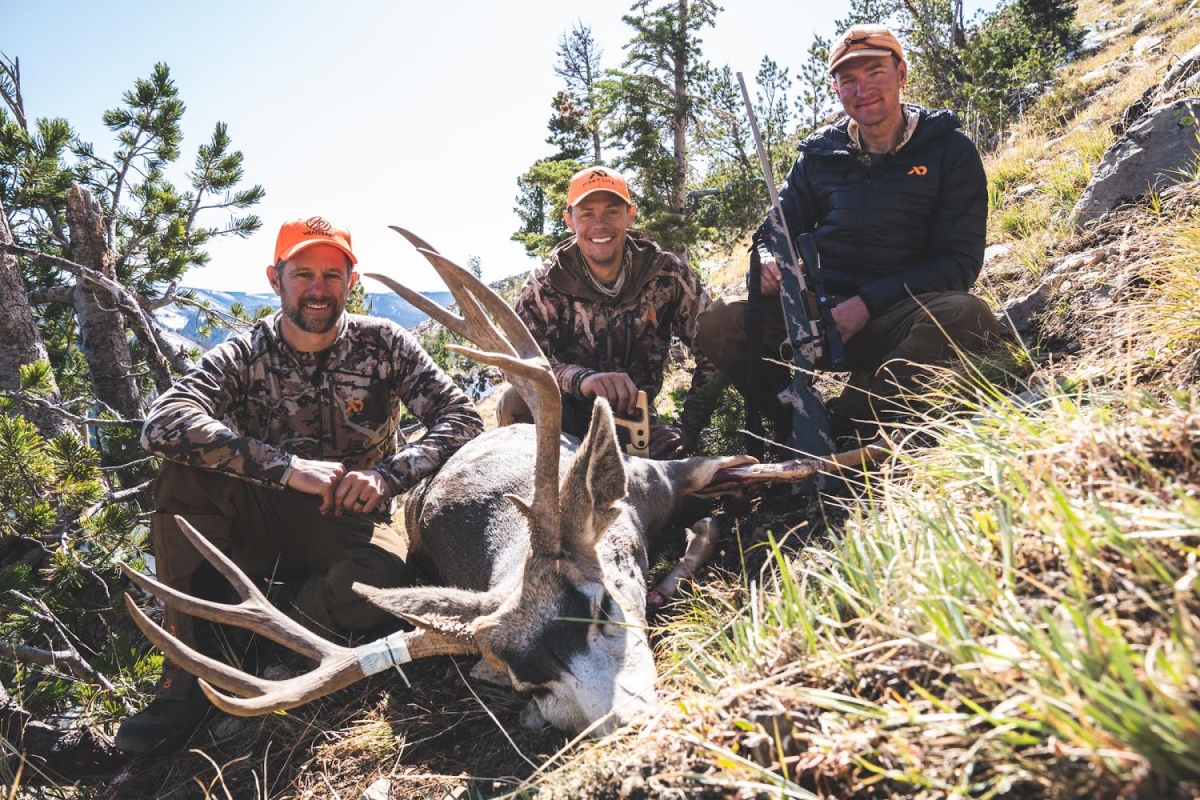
(1159, 150)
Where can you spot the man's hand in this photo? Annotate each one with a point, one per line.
(360, 491)
(769, 277)
(615, 387)
(850, 316)
(316, 477)
(667, 441)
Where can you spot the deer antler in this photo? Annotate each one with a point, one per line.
(337, 667)
(513, 349)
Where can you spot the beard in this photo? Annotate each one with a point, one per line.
(312, 320)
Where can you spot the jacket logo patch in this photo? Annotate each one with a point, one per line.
(918, 171)
(354, 405)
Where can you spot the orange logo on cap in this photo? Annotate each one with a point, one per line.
(354, 405)
(919, 171)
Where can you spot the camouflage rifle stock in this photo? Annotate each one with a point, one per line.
(809, 335)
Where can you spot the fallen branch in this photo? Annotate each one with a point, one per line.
(70, 658)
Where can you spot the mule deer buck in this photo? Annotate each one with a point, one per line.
(542, 539)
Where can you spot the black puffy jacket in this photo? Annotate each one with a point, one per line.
(915, 221)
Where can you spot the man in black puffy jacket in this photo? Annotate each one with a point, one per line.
(896, 198)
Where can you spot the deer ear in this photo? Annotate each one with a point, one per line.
(594, 484)
(521, 506)
(444, 609)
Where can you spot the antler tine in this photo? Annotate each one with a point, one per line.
(255, 612)
(435, 311)
(193, 661)
(534, 380)
(336, 671)
(476, 300)
(481, 331)
(413, 239)
(515, 333)
(270, 622)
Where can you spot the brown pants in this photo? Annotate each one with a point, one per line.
(279, 535)
(885, 358)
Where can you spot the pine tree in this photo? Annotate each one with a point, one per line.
(817, 99)
(658, 99)
(732, 199)
(578, 64)
(577, 117)
(540, 203)
(106, 239)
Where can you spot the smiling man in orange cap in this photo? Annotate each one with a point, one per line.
(280, 446)
(604, 308)
(896, 198)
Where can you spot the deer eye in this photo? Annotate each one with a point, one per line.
(608, 616)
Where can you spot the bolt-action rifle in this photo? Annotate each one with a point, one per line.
(807, 310)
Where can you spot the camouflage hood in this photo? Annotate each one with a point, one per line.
(582, 331)
(566, 271)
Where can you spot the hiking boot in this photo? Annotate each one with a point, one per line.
(169, 719)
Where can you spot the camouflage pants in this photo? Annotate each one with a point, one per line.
(278, 535)
(884, 359)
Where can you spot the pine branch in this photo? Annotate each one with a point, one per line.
(55, 223)
(118, 495)
(228, 319)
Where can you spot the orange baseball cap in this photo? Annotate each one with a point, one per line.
(297, 234)
(596, 179)
(865, 40)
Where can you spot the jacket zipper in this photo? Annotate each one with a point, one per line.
(333, 405)
(317, 377)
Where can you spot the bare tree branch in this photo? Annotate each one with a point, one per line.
(70, 658)
(73, 418)
(138, 318)
(10, 88)
(53, 294)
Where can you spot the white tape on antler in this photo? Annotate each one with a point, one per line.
(390, 651)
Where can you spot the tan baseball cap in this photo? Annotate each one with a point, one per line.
(865, 40)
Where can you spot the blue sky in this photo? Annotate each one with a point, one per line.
(420, 114)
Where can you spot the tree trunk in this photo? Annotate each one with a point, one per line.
(679, 121)
(104, 341)
(22, 341)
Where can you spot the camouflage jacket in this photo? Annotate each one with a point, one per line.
(583, 331)
(253, 404)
